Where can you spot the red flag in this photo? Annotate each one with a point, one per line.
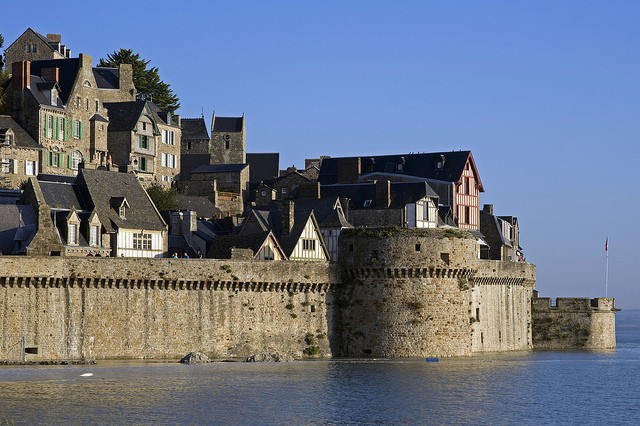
(606, 245)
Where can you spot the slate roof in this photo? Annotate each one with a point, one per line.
(62, 195)
(104, 186)
(220, 168)
(67, 73)
(194, 128)
(107, 78)
(18, 223)
(328, 211)
(221, 247)
(40, 90)
(202, 205)
(123, 116)
(402, 193)
(227, 124)
(190, 162)
(22, 138)
(423, 165)
(264, 166)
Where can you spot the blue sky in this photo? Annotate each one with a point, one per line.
(546, 95)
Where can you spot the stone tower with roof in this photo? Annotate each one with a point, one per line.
(228, 140)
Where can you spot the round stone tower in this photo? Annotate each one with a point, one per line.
(406, 292)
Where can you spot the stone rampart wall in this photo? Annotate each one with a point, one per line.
(424, 293)
(573, 323)
(67, 308)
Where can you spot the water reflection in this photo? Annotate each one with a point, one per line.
(490, 389)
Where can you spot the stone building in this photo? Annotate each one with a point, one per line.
(98, 212)
(195, 136)
(19, 153)
(502, 236)
(228, 140)
(59, 102)
(32, 46)
(140, 141)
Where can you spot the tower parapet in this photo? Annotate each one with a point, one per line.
(573, 323)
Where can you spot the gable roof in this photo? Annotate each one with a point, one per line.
(194, 128)
(328, 211)
(123, 116)
(227, 124)
(104, 186)
(221, 248)
(107, 78)
(41, 92)
(422, 165)
(202, 205)
(21, 137)
(18, 225)
(402, 193)
(67, 73)
(64, 195)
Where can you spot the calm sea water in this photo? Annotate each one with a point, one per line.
(527, 389)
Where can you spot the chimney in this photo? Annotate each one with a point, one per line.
(287, 212)
(126, 78)
(488, 208)
(56, 38)
(85, 61)
(383, 194)
(21, 75)
(348, 169)
(309, 190)
(50, 74)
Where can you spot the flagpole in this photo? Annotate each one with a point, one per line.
(606, 269)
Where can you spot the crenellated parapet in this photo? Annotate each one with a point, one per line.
(573, 323)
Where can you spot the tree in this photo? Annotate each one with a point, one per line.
(163, 198)
(4, 76)
(146, 80)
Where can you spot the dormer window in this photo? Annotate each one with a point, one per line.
(72, 238)
(122, 212)
(441, 162)
(367, 203)
(6, 137)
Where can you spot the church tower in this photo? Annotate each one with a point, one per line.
(228, 140)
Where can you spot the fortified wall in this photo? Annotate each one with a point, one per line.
(415, 293)
(395, 293)
(57, 308)
(573, 323)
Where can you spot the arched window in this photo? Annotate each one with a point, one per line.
(76, 159)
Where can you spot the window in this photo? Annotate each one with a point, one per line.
(122, 212)
(7, 166)
(263, 193)
(268, 253)
(62, 125)
(226, 144)
(309, 245)
(144, 126)
(97, 105)
(425, 211)
(164, 160)
(367, 203)
(76, 129)
(76, 159)
(30, 168)
(87, 104)
(142, 165)
(54, 159)
(143, 141)
(141, 241)
(93, 235)
(418, 247)
(31, 47)
(283, 190)
(466, 215)
(164, 136)
(73, 234)
(171, 138)
(6, 139)
(49, 120)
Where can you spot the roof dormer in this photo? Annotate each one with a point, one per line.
(120, 205)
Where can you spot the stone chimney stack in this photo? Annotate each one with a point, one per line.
(383, 194)
(488, 208)
(21, 75)
(126, 80)
(287, 212)
(349, 170)
(56, 38)
(50, 74)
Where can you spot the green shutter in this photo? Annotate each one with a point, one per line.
(64, 129)
(55, 135)
(47, 118)
(69, 161)
(81, 130)
(48, 158)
